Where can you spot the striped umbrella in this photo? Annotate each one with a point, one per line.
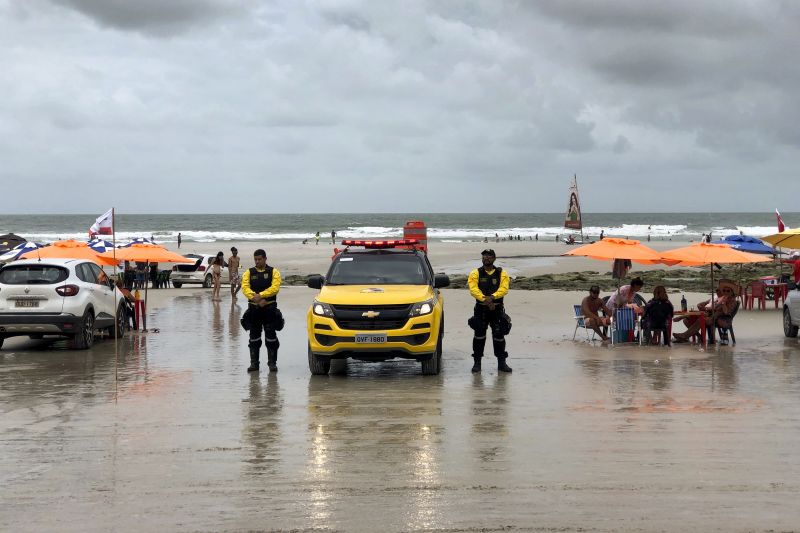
(137, 240)
(100, 246)
(17, 251)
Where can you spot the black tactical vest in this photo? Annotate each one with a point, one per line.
(261, 281)
(488, 284)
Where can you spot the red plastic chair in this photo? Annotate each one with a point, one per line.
(756, 290)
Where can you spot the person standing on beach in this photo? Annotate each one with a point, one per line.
(233, 272)
(488, 285)
(216, 275)
(316, 236)
(260, 286)
(179, 240)
(602, 234)
(333, 236)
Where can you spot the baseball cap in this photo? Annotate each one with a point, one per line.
(488, 251)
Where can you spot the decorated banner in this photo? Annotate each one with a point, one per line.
(573, 218)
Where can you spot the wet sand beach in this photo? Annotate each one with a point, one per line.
(581, 437)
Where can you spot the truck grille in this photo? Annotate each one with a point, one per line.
(389, 317)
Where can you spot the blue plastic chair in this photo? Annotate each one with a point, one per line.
(624, 320)
(580, 322)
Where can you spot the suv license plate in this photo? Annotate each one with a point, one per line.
(27, 303)
(371, 338)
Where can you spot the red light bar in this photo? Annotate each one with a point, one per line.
(380, 244)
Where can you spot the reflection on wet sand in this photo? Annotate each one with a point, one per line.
(373, 438)
(489, 420)
(262, 426)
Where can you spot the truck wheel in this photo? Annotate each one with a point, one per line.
(207, 282)
(2, 340)
(789, 329)
(432, 366)
(177, 284)
(121, 323)
(84, 339)
(319, 366)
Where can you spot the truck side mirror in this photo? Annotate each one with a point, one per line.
(315, 281)
(441, 280)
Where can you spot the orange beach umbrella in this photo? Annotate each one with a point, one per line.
(612, 248)
(704, 253)
(146, 253)
(69, 249)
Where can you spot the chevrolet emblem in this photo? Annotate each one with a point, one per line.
(370, 314)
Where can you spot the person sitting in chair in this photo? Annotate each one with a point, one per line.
(718, 313)
(590, 306)
(623, 297)
(657, 313)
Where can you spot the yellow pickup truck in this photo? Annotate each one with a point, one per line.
(380, 300)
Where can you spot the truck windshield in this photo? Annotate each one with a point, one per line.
(384, 269)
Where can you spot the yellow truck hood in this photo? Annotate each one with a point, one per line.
(374, 295)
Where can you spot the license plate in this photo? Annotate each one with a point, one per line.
(27, 303)
(371, 338)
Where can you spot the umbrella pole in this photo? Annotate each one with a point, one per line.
(144, 313)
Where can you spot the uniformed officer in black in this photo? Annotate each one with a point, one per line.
(260, 285)
(488, 285)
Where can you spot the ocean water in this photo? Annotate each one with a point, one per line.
(444, 227)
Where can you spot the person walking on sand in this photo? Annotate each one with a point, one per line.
(179, 240)
(316, 236)
(488, 285)
(260, 285)
(217, 265)
(233, 272)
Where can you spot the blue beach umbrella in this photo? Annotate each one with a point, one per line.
(745, 243)
(100, 246)
(137, 240)
(18, 250)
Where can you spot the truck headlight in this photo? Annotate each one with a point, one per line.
(423, 308)
(322, 309)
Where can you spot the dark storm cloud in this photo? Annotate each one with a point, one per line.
(157, 17)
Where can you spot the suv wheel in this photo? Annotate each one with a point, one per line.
(207, 282)
(319, 366)
(432, 366)
(177, 284)
(2, 340)
(84, 339)
(119, 331)
(789, 329)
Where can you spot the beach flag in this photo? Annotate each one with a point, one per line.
(104, 225)
(781, 227)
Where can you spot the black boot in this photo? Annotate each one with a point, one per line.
(272, 358)
(254, 362)
(502, 366)
(476, 367)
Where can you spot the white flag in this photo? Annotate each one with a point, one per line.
(104, 225)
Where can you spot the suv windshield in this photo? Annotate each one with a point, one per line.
(384, 269)
(32, 275)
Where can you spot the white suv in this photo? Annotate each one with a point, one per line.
(197, 273)
(70, 298)
(791, 313)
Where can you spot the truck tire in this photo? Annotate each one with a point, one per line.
(177, 284)
(84, 339)
(207, 282)
(432, 366)
(789, 329)
(2, 340)
(319, 366)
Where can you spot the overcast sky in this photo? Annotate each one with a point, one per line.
(404, 106)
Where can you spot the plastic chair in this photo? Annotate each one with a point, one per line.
(624, 319)
(756, 290)
(724, 331)
(580, 322)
